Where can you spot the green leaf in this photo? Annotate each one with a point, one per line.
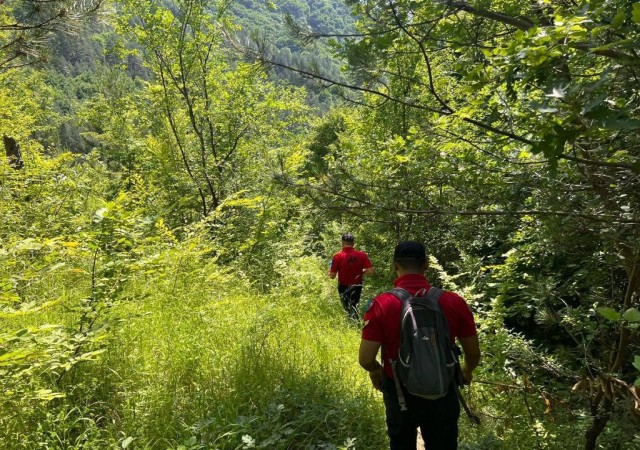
(127, 441)
(609, 313)
(635, 14)
(48, 395)
(636, 362)
(631, 315)
(593, 104)
(15, 357)
(56, 266)
(618, 19)
(28, 244)
(91, 356)
(617, 124)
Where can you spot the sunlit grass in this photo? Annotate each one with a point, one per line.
(195, 357)
(208, 363)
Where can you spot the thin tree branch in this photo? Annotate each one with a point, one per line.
(313, 75)
(589, 162)
(425, 56)
(441, 212)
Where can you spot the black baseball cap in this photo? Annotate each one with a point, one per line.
(348, 237)
(409, 250)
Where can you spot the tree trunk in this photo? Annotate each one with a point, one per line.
(12, 150)
(601, 411)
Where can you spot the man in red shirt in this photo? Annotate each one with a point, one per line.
(350, 265)
(437, 419)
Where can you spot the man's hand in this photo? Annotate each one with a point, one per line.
(367, 358)
(471, 350)
(376, 378)
(467, 374)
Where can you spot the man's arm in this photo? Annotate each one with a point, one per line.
(471, 349)
(367, 266)
(367, 358)
(333, 268)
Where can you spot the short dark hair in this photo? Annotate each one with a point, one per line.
(410, 255)
(348, 237)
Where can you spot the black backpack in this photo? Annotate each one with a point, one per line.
(427, 365)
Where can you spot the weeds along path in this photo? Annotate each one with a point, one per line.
(193, 357)
(207, 361)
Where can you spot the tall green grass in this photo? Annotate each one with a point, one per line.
(212, 364)
(195, 357)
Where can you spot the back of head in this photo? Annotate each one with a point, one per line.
(348, 239)
(410, 256)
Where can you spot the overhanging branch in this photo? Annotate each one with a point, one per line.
(270, 61)
(361, 203)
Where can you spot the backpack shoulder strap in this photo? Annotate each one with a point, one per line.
(400, 294)
(435, 293)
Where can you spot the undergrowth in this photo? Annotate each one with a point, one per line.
(184, 354)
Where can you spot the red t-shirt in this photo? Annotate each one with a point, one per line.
(382, 319)
(349, 263)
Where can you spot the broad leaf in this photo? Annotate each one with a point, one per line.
(635, 14)
(631, 315)
(609, 313)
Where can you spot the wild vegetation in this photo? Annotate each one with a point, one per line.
(169, 200)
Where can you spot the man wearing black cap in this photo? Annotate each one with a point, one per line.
(350, 265)
(437, 419)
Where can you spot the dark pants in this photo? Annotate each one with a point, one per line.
(350, 297)
(437, 419)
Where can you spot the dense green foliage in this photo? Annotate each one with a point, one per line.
(163, 284)
(174, 352)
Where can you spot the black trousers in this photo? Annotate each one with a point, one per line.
(350, 297)
(437, 419)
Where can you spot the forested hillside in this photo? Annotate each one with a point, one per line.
(176, 175)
